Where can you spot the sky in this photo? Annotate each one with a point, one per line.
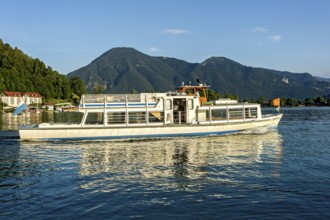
(286, 35)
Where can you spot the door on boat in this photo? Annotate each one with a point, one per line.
(179, 111)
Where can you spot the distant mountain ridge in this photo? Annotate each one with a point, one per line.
(121, 70)
(322, 79)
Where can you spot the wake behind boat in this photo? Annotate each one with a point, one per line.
(186, 112)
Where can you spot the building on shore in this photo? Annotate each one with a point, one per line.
(14, 99)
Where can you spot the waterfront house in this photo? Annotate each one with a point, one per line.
(49, 106)
(14, 99)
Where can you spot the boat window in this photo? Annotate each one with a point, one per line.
(136, 117)
(68, 117)
(190, 91)
(251, 113)
(94, 118)
(190, 104)
(236, 113)
(168, 104)
(116, 117)
(219, 114)
(203, 115)
(156, 117)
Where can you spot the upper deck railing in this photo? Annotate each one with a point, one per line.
(117, 100)
(109, 98)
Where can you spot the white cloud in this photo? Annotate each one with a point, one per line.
(153, 49)
(175, 31)
(275, 38)
(260, 29)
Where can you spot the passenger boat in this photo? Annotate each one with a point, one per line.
(186, 112)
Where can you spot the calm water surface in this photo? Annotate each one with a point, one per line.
(282, 174)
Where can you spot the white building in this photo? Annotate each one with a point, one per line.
(14, 99)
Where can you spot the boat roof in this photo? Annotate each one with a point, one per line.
(198, 87)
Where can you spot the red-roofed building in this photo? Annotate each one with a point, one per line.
(14, 99)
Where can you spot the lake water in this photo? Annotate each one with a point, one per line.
(283, 174)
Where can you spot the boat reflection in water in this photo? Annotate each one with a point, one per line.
(181, 163)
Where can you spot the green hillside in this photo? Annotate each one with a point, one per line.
(121, 70)
(19, 72)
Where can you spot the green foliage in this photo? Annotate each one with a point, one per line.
(319, 101)
(98, 89)
(77, 85)
(292, 102)
(19, 72)
(75, 98)
(231, 96)
(261, 100)
(124, 70)
(212, 95)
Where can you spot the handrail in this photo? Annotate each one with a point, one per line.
(118, 100)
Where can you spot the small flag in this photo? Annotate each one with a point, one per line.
(277, 109)
(276, 102)
(20, 108)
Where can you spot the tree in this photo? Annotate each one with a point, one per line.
(309, 102)
(77, 85)
(261, 100)
(98, 89)
(212, 95)
(19, 72)
(231, 96)
(75, 98)
(320, 100)
(2, 85)
(292, 102)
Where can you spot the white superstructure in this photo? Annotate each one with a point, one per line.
(185, 112)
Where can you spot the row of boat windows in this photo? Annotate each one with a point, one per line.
(158, 117)
(224, 114)
(120, 117)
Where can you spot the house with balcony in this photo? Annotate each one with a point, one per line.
(14, 99)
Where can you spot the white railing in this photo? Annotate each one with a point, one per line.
(109, 98)
(100, 100)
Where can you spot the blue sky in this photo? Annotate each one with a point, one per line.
(287, 35)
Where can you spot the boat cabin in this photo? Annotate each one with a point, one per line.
(200, 91)
(185, 106)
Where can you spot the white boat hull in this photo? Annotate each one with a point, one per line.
(76, 132)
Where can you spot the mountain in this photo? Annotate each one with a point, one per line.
(121, 70)
(322, 79)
